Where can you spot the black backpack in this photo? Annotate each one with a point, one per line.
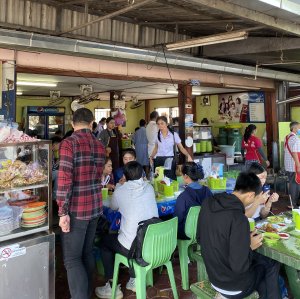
(135, 251)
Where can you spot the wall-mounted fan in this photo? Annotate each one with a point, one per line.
(135, 103)
(55, 98)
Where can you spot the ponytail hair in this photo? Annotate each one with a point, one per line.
(193, 170)
(248, 132)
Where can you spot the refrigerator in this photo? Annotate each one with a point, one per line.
(29, 271)
(43, 122)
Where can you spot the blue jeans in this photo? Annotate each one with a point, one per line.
(78, 256)
(266, 279)
(248, 163)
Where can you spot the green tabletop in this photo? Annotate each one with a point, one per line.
(286, 252)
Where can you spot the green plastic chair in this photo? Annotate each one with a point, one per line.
(184, 246)
(158, 247)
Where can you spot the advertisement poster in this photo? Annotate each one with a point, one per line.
(119, 116)
(242, 107)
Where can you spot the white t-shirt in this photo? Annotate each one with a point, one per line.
(166, 144)
(151, 133)
(294, 145)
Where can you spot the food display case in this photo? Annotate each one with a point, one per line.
(25, 188)
(26, 240)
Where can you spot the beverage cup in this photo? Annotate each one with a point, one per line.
(251, 224)
(296, 218)
(104, 193)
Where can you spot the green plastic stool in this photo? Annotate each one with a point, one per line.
(201, 269)
(185, 247)
(159, 244)
(204, 290)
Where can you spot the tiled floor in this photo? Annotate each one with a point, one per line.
(161, 287)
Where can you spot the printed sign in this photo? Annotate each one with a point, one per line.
(11, 251)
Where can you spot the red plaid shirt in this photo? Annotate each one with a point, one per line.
(82, 158)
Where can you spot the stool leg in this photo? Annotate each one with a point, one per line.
(172, 279)
(149, 278)
(184, 266)
(140, 281)
(115, 278)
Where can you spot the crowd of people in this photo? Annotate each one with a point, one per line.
(83, 166)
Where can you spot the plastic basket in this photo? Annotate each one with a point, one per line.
(126, 143)
(233, 174)
(230, 184)
(168, 190)
(217, 184)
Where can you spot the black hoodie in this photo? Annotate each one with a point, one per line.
(224, 235)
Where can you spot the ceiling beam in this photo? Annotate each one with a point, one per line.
(252, 15)
(210, 21)
(110, 15)
(72, 2)
(253, 45)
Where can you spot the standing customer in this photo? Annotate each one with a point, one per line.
(110, 139)
(82, 158)
(253, 147)
(291, 160)
(151, 132)
(165, 147)
(101, 124)
(141, 146)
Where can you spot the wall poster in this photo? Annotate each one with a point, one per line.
(242, 107)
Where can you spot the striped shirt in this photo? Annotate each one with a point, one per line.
(82, 159)
(294, 145)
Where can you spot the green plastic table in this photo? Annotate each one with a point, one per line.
(287, 252)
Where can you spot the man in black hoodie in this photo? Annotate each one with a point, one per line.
(227, 246)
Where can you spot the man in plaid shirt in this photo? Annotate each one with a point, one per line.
(291, 160)
(82, 159)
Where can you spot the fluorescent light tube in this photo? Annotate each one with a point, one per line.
(19, 93)
(208, 40)
(42, 84)
(242, 87)
(172, 91)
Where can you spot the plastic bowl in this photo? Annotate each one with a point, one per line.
(271, 238)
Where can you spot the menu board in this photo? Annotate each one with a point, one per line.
(256, 104)
(257, 112)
